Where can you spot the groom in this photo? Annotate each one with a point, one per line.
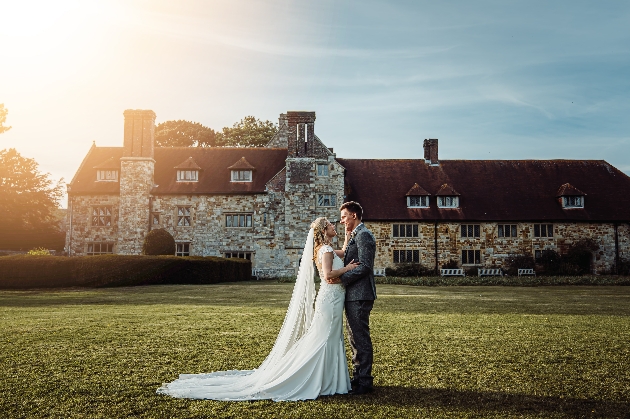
(360, 294)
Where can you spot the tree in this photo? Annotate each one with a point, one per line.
(3, 117)
(28, 204)
(249, 132)
(182, 133)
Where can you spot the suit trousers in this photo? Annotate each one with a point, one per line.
(358, 328)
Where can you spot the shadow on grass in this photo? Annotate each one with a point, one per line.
(480, 402)
(570, 300)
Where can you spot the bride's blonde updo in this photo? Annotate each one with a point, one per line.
(319, 234)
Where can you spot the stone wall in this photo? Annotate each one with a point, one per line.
(81, 231)
(495, 249)
(136, 182)
(301, 198)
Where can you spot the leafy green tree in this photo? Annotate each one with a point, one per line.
(249, 132)
(182, 133)
(28, 204)
(3, 117)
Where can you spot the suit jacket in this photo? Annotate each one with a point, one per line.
(359, 282)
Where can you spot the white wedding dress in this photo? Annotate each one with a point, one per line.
(307, 360)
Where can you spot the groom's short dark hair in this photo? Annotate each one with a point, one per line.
(353, 207)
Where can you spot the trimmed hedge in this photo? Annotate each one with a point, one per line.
(158, 242)
(508, 281)
(25, 271)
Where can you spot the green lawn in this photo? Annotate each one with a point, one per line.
(439, 351)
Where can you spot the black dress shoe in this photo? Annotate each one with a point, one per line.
(359, 390)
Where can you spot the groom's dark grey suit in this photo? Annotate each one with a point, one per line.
(360, 296)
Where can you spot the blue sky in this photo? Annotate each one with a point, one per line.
(489, 79)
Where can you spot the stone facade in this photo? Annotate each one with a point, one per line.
(116, 216)
(494, 250)
(82, 231)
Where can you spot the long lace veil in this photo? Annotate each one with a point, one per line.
(300, 312)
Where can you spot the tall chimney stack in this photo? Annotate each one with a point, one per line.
(431, 151)
(301, 133)
(139, 133)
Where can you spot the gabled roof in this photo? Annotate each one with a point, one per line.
(446, 190)
(110, 163)
(417, 190)
(214, 178)
(569, 190)
(189, 164)
(492, 190)
(242, 164)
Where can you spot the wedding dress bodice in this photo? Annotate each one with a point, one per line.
(337, 263)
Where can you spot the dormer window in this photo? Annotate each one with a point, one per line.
(241, 171)
(188, 171)
(417, 197)
(573, 201)
(107, 175)
(241, 175)
(417, 201)
(570, 196)
(447, 197)
(448, 201)
(188, 175)
(107, 171)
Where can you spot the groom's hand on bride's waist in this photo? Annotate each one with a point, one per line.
(333, 281)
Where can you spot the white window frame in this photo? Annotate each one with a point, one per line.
(188, 175)
(443, 201)
(327, 200)
(322, 169)
(241, 176)
(244, 220)
(107, 175)
(182, 248)
(418, 201)
(566, 201)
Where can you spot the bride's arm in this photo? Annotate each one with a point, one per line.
(341, 253)
(327, 271)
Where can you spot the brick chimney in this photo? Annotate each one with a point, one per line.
(301, 126)
(431, 151)
(139, 133)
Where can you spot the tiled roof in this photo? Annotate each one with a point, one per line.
(491, 190)
(417, 190)
(446, 190)
(110, 163)
(242, 164)
(188, 164)
(569, 190)
(213, 179)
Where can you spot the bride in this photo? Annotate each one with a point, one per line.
(309, 357)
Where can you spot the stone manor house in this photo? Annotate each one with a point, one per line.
(258, 203)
